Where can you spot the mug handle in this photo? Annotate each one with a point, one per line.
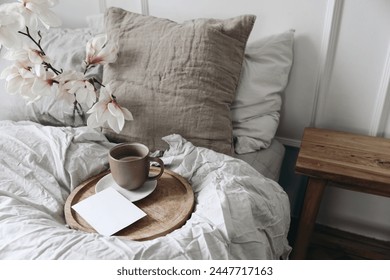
(161, 163)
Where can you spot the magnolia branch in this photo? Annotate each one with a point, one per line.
(42, 52)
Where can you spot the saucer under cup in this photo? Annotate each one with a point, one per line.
(133, 195)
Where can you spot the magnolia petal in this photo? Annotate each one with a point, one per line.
(65, 95)
(12, 76)
(40, 71)
(105, 95)
(127, 114)
(26, 74)
(13, 85)
(86, 96)
(92, 121)
(46, 16)
(19, 55)
(10, 70)
(34, 57)
(75, 86)
(10, 16)
(81, 95)
(9, 38)
(104, 115)
(121, 120)
(114, 110)
(113, 123)
(31, 20)
(66, 84)
(91, 99)
(99, 41)
(93, 108)
(26, 91)
(41, 87)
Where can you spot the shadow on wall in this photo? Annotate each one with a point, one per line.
(296, 111)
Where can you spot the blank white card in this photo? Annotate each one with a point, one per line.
(108, 211)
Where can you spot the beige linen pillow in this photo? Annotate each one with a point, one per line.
(176, 77)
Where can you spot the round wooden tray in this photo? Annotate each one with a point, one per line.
(168, 207)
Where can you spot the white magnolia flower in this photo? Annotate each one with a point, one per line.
(35, 11)
(10, 23)
(28, 76)
(43, 83)
(63, 92)
(31, 56)
(108, 110)
(18, 78)
(30, 82)
(98, 51)
(37, 57)
(20, 56)
(76, 84)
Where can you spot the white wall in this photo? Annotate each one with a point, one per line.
(356, 101)
(340, 77)
(74, 12)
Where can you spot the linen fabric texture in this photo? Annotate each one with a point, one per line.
(256, 108)
(176, 78)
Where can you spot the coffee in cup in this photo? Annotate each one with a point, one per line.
(130, 165)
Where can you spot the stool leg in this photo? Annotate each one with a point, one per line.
(314, 190)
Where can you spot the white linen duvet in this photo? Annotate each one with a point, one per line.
(239, 214)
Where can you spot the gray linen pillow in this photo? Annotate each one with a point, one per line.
(176, 77)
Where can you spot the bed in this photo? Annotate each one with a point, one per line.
(214, 124)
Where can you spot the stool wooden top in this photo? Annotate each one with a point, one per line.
(351, 159)
(168, 207)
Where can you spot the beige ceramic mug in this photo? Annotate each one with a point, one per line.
(130, 165)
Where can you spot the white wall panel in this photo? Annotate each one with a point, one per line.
(360, 57)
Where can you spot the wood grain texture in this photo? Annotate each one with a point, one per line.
(355, 162)
(167, 208)
(358, 162)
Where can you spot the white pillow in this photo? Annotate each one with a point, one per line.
(264, 76)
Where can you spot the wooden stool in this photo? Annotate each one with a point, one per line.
(355, 162)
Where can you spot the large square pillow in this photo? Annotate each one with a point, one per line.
(256, 108)
(176, 77)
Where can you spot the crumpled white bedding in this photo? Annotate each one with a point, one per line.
(239, 214)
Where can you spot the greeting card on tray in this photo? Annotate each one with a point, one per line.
(108, 211)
